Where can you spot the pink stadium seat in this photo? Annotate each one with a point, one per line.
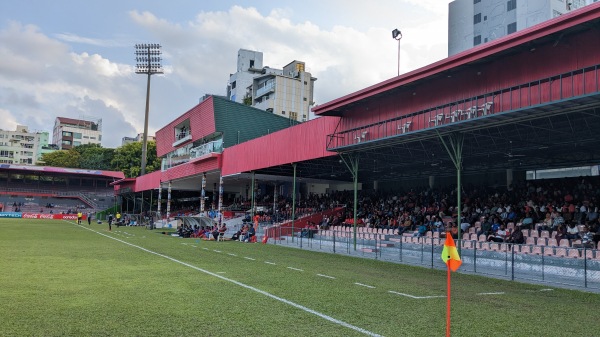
(541, 241)
(561, 252)
(552, 242)
(525, 249)
(436, 234)
(548, 251)
(472, 230)
(574, 253)
(533, 233)
(545, 234)
(530, 241)
(467, 244)
(482, 238)
(537, 250)
(589, 254)
(564, 243)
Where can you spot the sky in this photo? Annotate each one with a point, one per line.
(72, 58)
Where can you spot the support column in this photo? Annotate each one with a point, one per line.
(375, 185)
(352, 164)
(252, 188)
(202, 193)
(168, 201)
(455, 150)
(274, 199)
(509, 177)
(431, 181)
(159, 200)
(293, 201)
(220, 199)
(214, 196)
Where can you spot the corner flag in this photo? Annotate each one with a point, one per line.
(450, 254)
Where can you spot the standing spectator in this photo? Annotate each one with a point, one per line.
(89, 218)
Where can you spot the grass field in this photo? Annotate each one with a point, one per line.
(61, 279)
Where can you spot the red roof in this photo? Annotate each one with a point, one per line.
(546, 28)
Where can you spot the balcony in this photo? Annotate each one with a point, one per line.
(182, 137)
(268, 88)
(208, 148)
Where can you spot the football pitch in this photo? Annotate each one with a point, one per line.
(61, 279)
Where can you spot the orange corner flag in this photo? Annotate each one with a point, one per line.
(450, 254)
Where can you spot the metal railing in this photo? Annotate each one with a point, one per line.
(566, 267)
(573, 84)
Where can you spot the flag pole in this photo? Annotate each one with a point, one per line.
(448, 304)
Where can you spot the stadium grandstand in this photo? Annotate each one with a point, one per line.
(44, 190)
(463, 140)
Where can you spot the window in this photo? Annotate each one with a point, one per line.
(511, 28)
(66, 142)
(283, 112)
(510, 5)
(305, 83)
(76, 143)
(233, 83)
(477, 40)
(251, 66)
(92, 137)
(67, 134)
(476, 1)
(485, 18)
(477, 18)
(304, 99)
(77, 135)
(86, 137)
(293, 115)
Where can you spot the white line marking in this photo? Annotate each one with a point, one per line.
(292, 268)
(364, 285)
(415, 297)
(193, 246)
(216, 251)
(205, 248)
(496, 293)
(262, 292)
(232, 254)
(249, 258)
(267, 262)
(327, 276)
(183, 243)
(546, 289)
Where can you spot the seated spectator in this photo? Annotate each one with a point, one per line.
(421, 230)
(586, 239)
(560, 233)
(572, 232)
(486, 227)
(516, 236)
(499, 236)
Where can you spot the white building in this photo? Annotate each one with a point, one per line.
(249, 64)
(23, 147)
(473, 22)
(287, 92)
(138, 138)
(69, 132)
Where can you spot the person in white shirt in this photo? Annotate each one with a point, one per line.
(499, 236)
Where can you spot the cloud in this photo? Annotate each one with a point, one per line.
(41, 77)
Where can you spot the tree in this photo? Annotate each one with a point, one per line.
(61, 158)
(95, 157)
(128, 159)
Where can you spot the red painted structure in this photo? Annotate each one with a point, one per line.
(299, 143)
(556, 60)
(523, 69)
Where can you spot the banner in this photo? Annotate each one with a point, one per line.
(10, 214)
(52, 216)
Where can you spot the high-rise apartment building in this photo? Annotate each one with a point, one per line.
(23, 147)
(473, 22)
(69, 132)
(286, 92)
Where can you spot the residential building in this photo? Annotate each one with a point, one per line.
(23, 147)
(138, 138)
(473, 22)
(286, 92)
(69, 132)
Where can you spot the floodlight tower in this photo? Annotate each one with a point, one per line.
(147, 56)
(397, 35)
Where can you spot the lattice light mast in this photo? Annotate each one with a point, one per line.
(148, 61)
